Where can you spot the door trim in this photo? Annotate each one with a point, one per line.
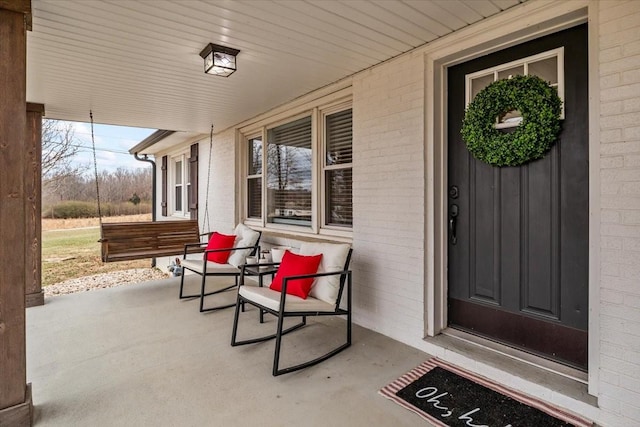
(542, 20)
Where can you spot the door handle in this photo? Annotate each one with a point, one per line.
(453, 222)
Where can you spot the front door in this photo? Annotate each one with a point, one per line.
(518, 236)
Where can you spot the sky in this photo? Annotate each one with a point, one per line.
(112, 146)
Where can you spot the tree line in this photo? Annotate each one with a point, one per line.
(64, 181)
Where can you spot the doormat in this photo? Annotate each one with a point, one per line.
(446, 395)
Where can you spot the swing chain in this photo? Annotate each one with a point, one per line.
(206, 223)
(95, 168)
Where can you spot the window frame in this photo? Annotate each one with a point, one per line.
(524, 62)
(325, 168)
(318, 167)
(183, 157)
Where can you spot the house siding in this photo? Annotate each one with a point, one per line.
(619, 388)
(222, 189)
(388, 198)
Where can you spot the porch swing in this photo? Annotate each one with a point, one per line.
(148, 239)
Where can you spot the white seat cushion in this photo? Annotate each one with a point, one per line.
(212, 267)
(244, 237)
(334, 256)
(271, 299)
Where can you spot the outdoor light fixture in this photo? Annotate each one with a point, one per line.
(219, 60)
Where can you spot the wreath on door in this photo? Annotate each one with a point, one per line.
(539, 106)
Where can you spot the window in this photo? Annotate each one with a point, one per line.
(254, 178)
(298, 173)
(181, 182)
(289, 162)
(547, 65)
(178, 186)
(337, 169)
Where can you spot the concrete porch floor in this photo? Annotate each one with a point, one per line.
(138, 356)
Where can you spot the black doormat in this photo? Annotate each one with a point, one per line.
(449, 396)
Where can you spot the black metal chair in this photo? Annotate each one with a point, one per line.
(247, 244)
(323, 300)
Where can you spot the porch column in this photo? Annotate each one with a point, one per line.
(15, 400)
(34, 294)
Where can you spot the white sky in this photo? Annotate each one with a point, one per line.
(112, 146)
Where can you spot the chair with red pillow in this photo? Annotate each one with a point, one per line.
(222, 256)
(310, 283)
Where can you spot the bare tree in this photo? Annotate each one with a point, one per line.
(59, 146)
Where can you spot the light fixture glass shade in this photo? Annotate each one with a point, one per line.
(219, 60)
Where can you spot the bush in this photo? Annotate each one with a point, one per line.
(76, 209)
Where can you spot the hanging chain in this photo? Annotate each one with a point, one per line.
(206, 222)
(95, 168)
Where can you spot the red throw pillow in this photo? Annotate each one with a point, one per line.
(296, 265)
(220, 241)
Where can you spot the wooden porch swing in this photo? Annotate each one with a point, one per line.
(148, 239)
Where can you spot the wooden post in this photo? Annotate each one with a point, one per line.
(15, 401)
(33, 191)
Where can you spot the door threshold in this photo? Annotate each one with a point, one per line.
(563, 379)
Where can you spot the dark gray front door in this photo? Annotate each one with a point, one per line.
(518, 266)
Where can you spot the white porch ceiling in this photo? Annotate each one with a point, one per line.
(137, 63)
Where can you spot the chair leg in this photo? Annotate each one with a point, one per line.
(182, 295)
(204, 294)
(234, 331)
(204, 282)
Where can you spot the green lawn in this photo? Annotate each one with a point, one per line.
(71, 253)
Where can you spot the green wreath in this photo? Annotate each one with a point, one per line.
(539, 105)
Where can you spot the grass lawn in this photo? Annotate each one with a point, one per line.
(71, 253)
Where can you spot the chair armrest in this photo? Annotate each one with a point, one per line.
(207, 251)
(191, 245)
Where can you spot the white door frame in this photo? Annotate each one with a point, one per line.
(528, 21)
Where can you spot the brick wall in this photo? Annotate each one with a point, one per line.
(222, 191)
(388, 198)
(619, 28)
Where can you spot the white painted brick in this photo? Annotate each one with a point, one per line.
(620, 92)
(623, 230)
(608, 55)
(612, 107)
(630, 188)
(631, 411)
(612, 162)
(631, 105)
(631, 244)
(632, 133)
(631, 77)
(631, 271)
(612, 135)
(617, 202)
(613, 297)
(618, 365)
(624, 64)
(609, 242)
(620, 147)
(615, 10)
(610, 188)
(619, 284)
(620, 120)
(631, 218)
(631, 328)
(632, 161)
(609, 269)
(632, 48)
(610, 216)
(615, 310)
(615, 37)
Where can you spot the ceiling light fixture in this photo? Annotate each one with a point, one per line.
(219, 60)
